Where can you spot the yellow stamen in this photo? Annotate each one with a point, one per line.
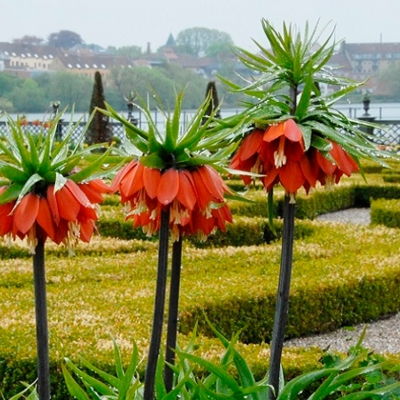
(279, 155)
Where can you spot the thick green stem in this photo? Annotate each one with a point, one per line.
(173, 309)
(42, 333)
(282, 301)
(159, 305)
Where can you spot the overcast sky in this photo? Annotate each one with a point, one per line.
(138, 22)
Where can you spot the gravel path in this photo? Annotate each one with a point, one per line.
(382, 336)
(353, 215)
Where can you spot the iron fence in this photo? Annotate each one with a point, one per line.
(388, 134)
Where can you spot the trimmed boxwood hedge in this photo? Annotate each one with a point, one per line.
(386, 212)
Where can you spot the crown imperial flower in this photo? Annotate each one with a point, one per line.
(176, 173)
(46, 194)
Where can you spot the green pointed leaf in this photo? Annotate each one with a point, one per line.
(153, 161)
(29, 388)
(216, 370)
(33, 146)
(20, 144)
(305, 97)
(60, 182)
(73, 387)
(86, 172)
(130, 372)
(28, 186)
(118, 360)
(299, 384)
(321, 144)
(307, 136)
(11, 193)
(99, 386)
(111, 379)
(13, 173)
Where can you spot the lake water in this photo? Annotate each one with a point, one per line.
(386, 111)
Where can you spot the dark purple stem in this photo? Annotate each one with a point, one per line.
(159, 305)
(173, 310)
(285, 277)
(42, 333)
(282, 301)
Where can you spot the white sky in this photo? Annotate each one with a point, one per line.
(123, 23)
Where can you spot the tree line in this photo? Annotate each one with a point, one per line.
(157, 86)
(192, 41)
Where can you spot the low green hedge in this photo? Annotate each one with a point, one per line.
(340, 276)
(250, 226)
(386, 212)
(364, 193)
(391, 178)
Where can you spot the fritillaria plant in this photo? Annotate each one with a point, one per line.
(294, 137)
(47, 192)
(172, 187)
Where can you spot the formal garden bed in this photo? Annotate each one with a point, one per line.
(341, 276)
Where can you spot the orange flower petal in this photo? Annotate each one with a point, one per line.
(26, 212)
(168, 187)
(100, 185)
(271, 178)
(86, 231)
(345, 162)
(6, 220)
(61, 231)
(250, 144)
(273, 132)
(326, 165)
(310, 172)
(151, 179)
(132, 181)
(187, 194)
(51, 199)
(87, 213)
(292, 131)
(291, 176)
(121, 174)
(77, 193)
(91, 192)
(45, 218)
(288, 128)
(204, 197)
(68, 205)
(212, 182)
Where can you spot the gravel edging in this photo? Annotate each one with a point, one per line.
(382, 336)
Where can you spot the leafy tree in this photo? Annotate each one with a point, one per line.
(389, 80)
(29, 39)
(126, 51)
(196, 41)
(8, 82)
(165, 81)
(28, 97)
(64, 39)
(99, 130)
(183, 78)
(6, 105)
(72, 90)
(219, 49)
